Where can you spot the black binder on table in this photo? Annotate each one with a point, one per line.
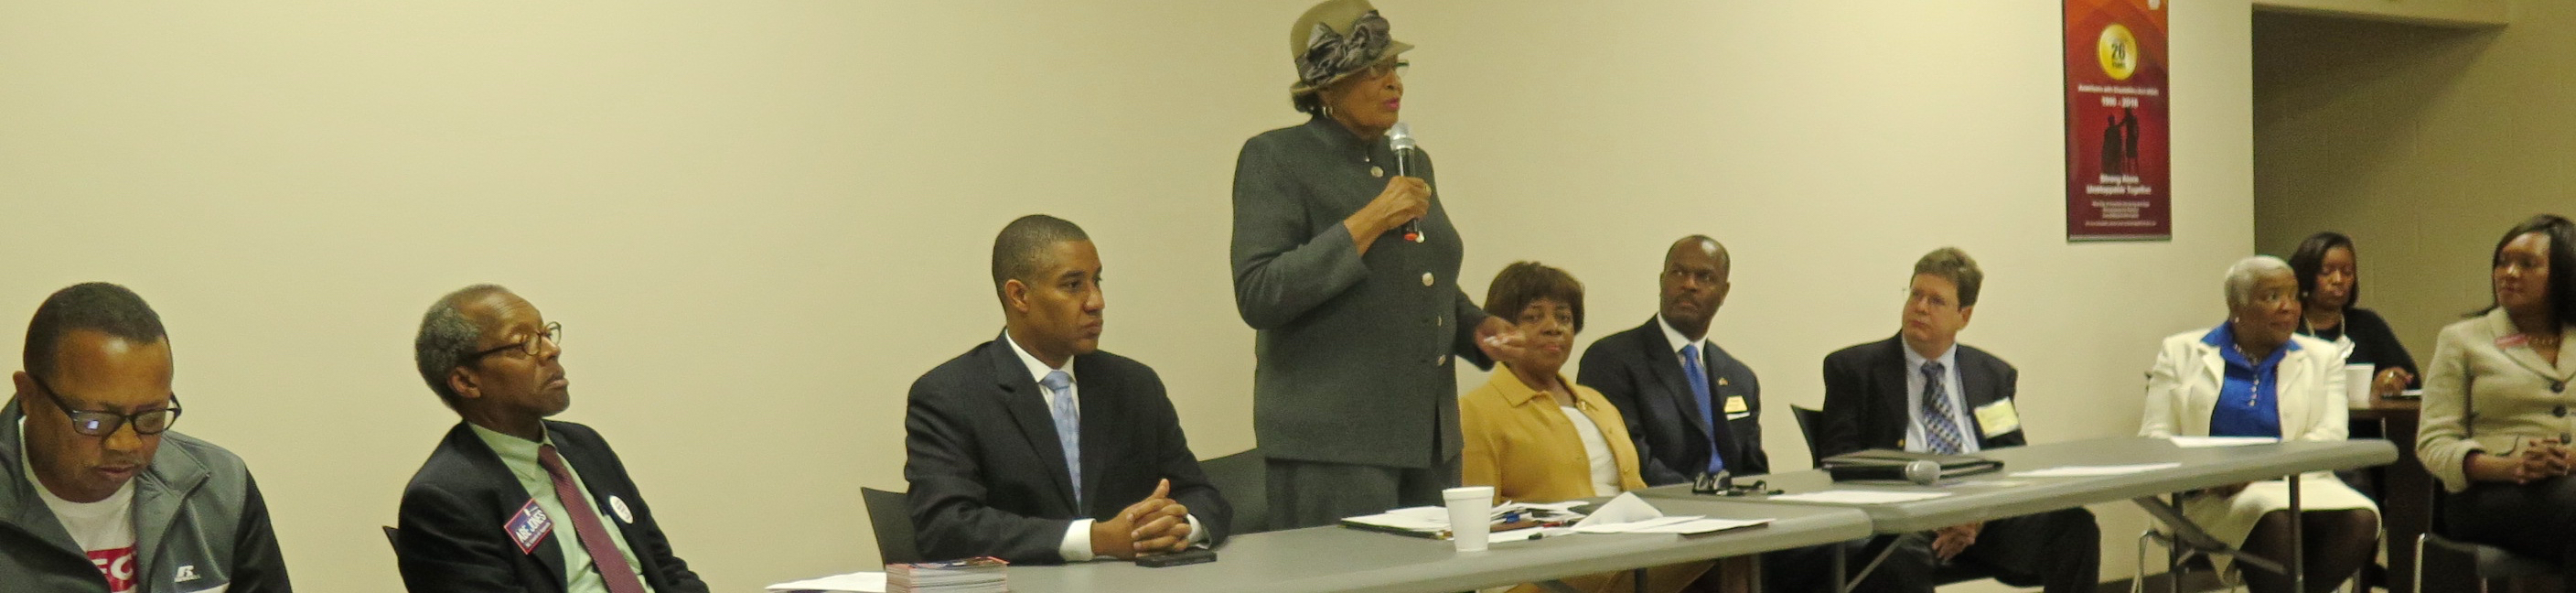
(1889, 464)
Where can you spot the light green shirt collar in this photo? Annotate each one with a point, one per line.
(520, 455)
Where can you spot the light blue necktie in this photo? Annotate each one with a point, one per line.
(1699, 390)
(1068, 427)
(1938, 425)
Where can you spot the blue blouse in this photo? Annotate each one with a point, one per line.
(2247, 403)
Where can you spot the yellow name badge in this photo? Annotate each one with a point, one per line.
(1735, 405)
(1998, 418)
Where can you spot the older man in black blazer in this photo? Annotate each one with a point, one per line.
(1039, 448)
(510, 501)
(1923, 391)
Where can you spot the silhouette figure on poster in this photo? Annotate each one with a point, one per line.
(2111, 143)
(2129, 139)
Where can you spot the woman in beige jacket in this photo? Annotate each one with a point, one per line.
(1535, 436)
(2496, 400)
(2253, 376)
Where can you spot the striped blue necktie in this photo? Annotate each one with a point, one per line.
(1939, 426)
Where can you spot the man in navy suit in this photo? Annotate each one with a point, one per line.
(511, 501)
(1924, 391)
(1669, 381)
(1038, 447)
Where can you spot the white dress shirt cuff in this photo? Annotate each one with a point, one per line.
(1077, 539)
(1077, 542)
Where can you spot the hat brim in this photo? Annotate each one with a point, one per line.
(1393, 48)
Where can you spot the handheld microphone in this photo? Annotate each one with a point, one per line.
(1923, 471)
(1400, 139)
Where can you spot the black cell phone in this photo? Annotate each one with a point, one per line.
(1182, 558)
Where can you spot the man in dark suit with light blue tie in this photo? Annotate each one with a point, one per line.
(1669, 380)
(1685, 398)
(1038, 447)
(1924, 391)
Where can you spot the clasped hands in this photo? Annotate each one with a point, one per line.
(1155, 525)
(2538, 459)
(1948, 542)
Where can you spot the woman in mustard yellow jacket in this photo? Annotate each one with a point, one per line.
(1533, 434)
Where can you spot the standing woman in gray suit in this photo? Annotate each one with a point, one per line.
(1357, 316)
(2496, 399)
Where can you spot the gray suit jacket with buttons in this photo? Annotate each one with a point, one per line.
(1354, 351)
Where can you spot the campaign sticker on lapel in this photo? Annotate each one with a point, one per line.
(1999, 418)
(529, 527)
(619, 505)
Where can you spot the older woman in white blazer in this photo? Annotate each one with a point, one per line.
(2254, 376)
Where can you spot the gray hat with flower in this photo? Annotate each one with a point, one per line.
(1336, 39)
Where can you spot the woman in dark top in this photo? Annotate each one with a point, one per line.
(2330, 285)
(1357, 316)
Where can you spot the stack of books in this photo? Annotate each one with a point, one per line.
(972, 575)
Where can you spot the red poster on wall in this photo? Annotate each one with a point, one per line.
(2118, 154)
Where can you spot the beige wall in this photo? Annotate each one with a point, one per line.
(760, 221)
(2422, 143)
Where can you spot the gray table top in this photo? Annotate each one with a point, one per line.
(1998, 495)
(1344, 559)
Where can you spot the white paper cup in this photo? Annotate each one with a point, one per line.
(2357, 384)
(1470, 516)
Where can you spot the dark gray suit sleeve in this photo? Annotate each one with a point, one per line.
(1469, 316)
(257, 565)
(1846, 406)
(1280, 269)
(439, 552)
(1757, 460)
(950, 517)
(1190, 485)
(1602, 371)
(2010, 387)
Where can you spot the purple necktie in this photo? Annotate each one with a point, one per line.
(604, 556)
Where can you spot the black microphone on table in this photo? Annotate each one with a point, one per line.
(1400, 139)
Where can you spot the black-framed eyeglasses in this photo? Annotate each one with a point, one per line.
(553, 335)
(1723, 483)
(99, 424)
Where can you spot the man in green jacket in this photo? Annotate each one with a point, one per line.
(96, 496)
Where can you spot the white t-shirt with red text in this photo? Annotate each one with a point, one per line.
(103, 529)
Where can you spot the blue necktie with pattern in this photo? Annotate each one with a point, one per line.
(1068, 428)
(1939, 426)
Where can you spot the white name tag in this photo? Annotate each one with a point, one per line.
(1999, 418)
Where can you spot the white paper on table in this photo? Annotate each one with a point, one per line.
(2079, 471)
(856, 582)
(2192, 442)
(1624, 508)
(1636, 526)
(1698, 526)
(1525, 534)
(1858, 496)
(1409, 518)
